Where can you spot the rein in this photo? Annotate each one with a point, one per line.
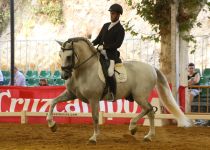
(79, 65)
(85, 60)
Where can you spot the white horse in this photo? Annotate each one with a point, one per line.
(80, 69)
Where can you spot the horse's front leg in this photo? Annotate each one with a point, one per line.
(65, 96)
(94, 105)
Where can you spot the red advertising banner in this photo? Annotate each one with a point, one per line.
(37, 99)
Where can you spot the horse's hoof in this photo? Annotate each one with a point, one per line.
(54, 128)
(147, 139)
(133, 131)
(91, 142)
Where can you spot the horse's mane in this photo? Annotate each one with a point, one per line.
(76, 39)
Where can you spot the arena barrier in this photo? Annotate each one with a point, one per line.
(201, 103)
(102, 116)
(30, 105)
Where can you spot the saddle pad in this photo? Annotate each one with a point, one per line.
(120, 73)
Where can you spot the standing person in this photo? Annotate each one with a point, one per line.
(1, 78)
(109, 40)
(19, 78)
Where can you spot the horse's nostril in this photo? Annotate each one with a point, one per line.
(65, 76)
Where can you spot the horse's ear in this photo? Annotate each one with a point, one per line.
(59, 42)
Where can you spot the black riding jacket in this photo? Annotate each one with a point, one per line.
(111, 39)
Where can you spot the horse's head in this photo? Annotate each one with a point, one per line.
(74, 53)
(67, 59)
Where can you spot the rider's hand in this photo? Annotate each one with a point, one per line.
(103, 52)
(100, 48)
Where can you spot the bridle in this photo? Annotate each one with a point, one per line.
(72, 66)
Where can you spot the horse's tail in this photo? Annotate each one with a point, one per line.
(168, 100)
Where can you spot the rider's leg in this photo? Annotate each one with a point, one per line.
(111, 68)
(111, 65)
(112, 86)
(117, 59)
(111, 80)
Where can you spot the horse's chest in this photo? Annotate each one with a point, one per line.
(78, 91)
(84, 91)
(84, 88)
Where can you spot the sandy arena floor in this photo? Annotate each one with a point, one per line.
(112, 137)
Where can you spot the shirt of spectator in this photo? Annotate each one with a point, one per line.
(1, 78)
(19, 79)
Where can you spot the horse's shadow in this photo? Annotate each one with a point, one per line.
(125, 138)
(129, 137)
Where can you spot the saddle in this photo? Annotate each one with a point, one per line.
(110, 82)
(119, 71)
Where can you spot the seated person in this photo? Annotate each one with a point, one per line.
(193, 79)
(43, 82)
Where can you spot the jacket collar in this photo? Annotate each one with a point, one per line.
(113, 24)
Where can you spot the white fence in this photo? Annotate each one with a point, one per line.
(159, 116)
(24, 115)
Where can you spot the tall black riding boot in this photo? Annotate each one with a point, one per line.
(112, 86)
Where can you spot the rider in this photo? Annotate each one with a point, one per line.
(110, 39)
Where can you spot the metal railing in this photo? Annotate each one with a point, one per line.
(40, 54)
(202, 52)
(44, 53)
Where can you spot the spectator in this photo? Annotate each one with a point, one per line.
(193, 79)
(43, 82)
(1, 78)
(19, 78)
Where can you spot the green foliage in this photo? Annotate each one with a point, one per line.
(154, 37)
(199, 24)
(158, 14)
(189, 38)
(193, 48)
(129, 28)
(50, 8)
(188, 11)
(4, 15)
(129, 2)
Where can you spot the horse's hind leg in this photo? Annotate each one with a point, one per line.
(151, 133)
(146, 109)
(133, 121)
(61, 98)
